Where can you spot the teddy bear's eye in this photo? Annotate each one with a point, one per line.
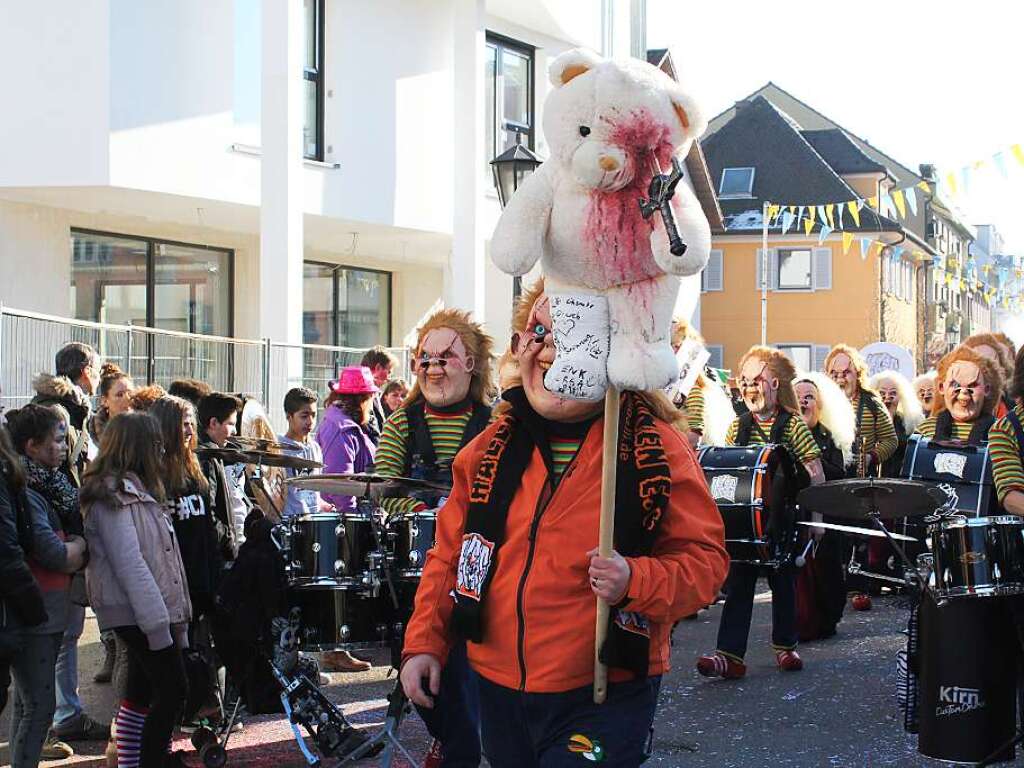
(584, 130)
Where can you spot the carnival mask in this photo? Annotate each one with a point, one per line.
(842, 372)
(925, 396)
(759, 389)
(807, 397)
(534, 349)
(890, 395)
(964, 390)
(443, 367)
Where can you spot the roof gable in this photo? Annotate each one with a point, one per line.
(840, 152)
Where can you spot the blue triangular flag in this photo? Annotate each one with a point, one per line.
(965, 178)
(911, 199)
(897, 251)
(887, 205)
(839, 214)
(1000, 162)
(865, 246)
(799, 215)
(822, 216)
(826, 230)
(787, 221)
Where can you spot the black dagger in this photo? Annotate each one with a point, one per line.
(660, 192)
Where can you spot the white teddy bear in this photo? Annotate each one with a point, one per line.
(610, 273)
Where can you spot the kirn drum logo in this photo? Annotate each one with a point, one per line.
(954, 700)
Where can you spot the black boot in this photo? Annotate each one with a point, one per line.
(109, 654)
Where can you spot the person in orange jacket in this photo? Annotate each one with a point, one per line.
(515, 568)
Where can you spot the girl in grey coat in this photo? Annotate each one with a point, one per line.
(136, 583)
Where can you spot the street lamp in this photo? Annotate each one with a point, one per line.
(510, 170)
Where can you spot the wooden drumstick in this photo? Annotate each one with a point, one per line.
(606, 532)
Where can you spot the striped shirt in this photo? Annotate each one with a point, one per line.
(875, 429)
(694, 408)
(961, 429)
(1004, 453)
(446, 430)
(563, 451)
(797, 439)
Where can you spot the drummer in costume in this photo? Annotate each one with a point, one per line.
(1006, 448)
(875, 441)
(707, 407)
(924, 389)
(766, 382)
(448, 406)
(901, 402)
(969, 390)
(516, 546)
(990, 346)
(828, 414)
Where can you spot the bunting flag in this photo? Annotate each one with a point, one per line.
(901, 205)
(826, 230)
(951, 183)
(773, 212)
(1000, 162)
(828, 215)
(854, 211)
(840, 208)
(822, 216)
(847, 241)
(865, 247)
(810, 212)
(897, 251)
(911, 199)
(808, 225)
(872, 202)
(787, 221)
(887, 205)
(1018, 152)
(800, 212)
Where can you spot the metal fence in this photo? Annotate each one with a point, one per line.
(260, 368)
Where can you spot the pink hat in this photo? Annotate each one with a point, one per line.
(354, 380)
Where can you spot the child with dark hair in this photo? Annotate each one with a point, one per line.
(192, 390)
(39, 434)
(394, 394)
(300, 407)
(218, 418)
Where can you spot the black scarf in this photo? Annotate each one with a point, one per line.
(59, 491)
(641, 498)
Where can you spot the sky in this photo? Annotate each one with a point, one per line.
(925, 82)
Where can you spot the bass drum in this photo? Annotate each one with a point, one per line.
(964, 472)
(737, 477)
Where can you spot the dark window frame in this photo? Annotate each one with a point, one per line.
(500, 43)
(810, 272)
(737, 195)
(335, 284)
(151, 246)
(315, 75)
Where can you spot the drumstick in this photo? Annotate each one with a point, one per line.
(606, 532)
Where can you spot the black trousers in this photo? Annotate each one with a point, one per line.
(734, 628)
(157, 680)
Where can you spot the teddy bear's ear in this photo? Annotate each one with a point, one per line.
(691, 117)
(571, 64)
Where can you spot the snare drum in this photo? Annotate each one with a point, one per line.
(411, 535)
(329, 550)
(737, 477)
(978, 556)
(336, 618)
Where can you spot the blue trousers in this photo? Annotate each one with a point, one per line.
(556, 730)
(455, 719)
(734, 627)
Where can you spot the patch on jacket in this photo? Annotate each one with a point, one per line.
(591, 749)
(474, 565)
(633, 622)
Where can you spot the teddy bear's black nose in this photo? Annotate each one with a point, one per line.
(584, 130)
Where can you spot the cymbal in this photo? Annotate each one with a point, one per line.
(257, 443)
(854, 529)
(374, 486)
(859, 498)
(262, 458)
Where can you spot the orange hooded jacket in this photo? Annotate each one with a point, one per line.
(539, 612)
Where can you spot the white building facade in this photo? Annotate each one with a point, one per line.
(312, 171)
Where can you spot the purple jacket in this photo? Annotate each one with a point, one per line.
(347, 449)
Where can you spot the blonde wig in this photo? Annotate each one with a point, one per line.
(835, 411)
(988, 370)
(908, 407)
(478, 345)
(858, 363)
(781, 367)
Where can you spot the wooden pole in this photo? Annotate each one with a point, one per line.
(606, 533)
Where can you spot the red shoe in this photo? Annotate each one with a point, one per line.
(719, 665)
(789, 661)
(861, 602)
(433, 758)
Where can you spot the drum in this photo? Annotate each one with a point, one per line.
(978, 556)
(737, 479)
(336, 618)
(329, 550)
(411, 534)
(967, 687)
(964, 472)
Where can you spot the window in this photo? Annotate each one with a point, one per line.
(711, 277)
(508, 97)
(795, 269)
(174, 286)
(344, 306)
(736, 182)
(313, 75)
(800, 354)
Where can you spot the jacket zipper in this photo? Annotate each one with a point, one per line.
(547, 495)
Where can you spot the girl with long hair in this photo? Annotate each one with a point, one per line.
(39, 434)
(115, 397)
(137, 586)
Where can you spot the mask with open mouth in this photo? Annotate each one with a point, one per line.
(964, 390)
(444, 369)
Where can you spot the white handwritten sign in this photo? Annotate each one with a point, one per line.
(886, 356)
(580, 327)
(691, 358)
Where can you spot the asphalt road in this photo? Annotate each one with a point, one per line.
(839, 711)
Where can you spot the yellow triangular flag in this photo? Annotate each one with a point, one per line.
(808, 225)
(951, 183)
(1018, 152)
(923, 186)
(773, 211)
(792, 209)
(811, 210)
(847, 240)
(873, 202)
(828, 215)
(854, 211)
(901, 204)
